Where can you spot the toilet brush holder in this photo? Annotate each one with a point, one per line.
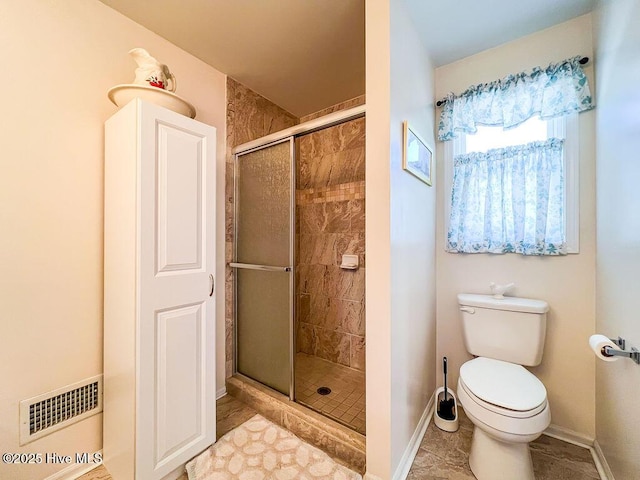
(442, 419)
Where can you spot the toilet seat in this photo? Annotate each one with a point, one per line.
(503, 387)
(530, 415)
(500, 410)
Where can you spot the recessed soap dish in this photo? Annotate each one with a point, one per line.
(349, 262)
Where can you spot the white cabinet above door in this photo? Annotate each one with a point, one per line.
(159, 406)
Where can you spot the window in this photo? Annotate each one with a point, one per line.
(487, 138)
(561, 220)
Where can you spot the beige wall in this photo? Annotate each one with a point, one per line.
(60, 58)
(400, 234)
(567, 283)
(618, 256)
(378, 237)
(413, 229)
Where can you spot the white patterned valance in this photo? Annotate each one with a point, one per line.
(559, 89)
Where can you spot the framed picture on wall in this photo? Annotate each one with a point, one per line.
(417, 158)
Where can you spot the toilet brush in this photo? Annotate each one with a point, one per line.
(446, 407)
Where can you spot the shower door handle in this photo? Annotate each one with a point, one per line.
(267, 268)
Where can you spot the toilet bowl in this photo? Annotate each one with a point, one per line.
(508, 406)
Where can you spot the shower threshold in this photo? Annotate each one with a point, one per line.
(340, 442)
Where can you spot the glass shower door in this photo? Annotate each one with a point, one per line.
(263, 265)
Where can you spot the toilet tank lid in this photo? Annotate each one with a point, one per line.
(513, 304)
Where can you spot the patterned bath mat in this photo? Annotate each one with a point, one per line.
(261, 450)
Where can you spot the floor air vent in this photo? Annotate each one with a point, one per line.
(49, 412)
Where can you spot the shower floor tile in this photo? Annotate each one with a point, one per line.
(345, 403)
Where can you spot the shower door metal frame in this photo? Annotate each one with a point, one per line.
(290, 268)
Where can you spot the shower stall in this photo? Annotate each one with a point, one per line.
(299, 323)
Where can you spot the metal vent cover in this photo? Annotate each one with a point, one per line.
(51, 411)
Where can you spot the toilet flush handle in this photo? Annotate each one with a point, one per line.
(468, 310)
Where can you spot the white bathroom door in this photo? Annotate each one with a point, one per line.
(175, 415)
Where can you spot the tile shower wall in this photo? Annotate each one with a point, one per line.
(249, 116)
(330, 222)
(354, 102)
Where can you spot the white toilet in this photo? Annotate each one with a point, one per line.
(506, 403)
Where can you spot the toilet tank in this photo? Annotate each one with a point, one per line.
(511, 329)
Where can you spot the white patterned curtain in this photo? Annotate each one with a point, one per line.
(509, 200)
(559, 89)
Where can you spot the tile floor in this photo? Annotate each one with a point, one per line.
(444, 455)
(345, 403)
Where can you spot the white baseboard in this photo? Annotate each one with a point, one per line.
(583, 441)
(569, 436)
(221, 393)
(412, 448)
(601, 462)
(75, 470)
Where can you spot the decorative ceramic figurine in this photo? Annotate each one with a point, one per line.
(499, 290)
(152, 73)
